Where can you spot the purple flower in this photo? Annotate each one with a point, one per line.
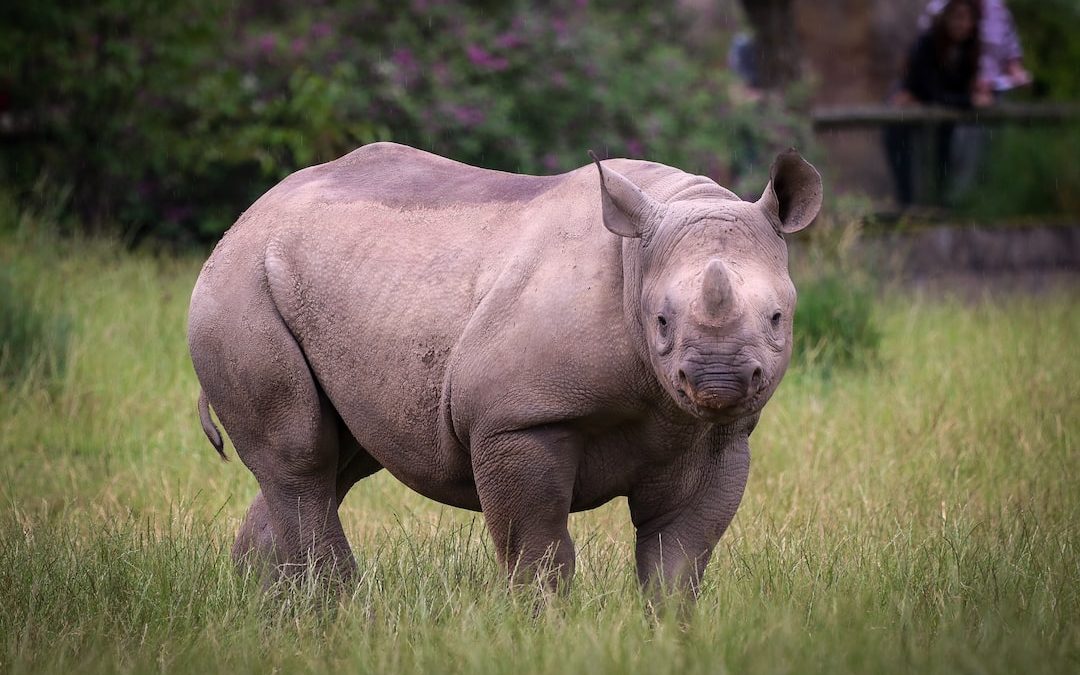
(267, 43)
(442, 73)
(299, 46)
(321, 30)
(406, 64)
(468, 116)
(479, 56)
(404, 59)
(550, 161)
(558, 25)
(635, 148)
(476, 54)
(508, 40)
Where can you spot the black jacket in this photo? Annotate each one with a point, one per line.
(933, 79)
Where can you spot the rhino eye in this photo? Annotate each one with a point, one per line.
(663, 342)
(776, 320)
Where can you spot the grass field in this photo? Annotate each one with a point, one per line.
(919, 515)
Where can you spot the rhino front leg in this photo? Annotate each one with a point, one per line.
(680, 517)
(525, 481)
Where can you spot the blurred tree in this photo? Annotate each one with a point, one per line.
(1048, 31)
(776, 41)
(170, 117)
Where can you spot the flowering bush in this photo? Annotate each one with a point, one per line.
(171, 118)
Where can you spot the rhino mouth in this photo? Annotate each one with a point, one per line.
(727, 411)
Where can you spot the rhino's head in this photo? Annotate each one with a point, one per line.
(716, 301)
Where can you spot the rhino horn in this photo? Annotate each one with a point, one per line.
(716, 292)
(628, 212)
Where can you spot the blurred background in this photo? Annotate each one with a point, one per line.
(913, 503)
(164, 120)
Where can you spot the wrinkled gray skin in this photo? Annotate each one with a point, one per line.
(522, 346)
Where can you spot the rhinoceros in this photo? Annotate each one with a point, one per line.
(524, 346)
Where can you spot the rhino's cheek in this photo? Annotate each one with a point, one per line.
(665, 370)
(775, 371)
(665, 359)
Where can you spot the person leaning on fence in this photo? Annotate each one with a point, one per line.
(941, 69)
(1001, 58)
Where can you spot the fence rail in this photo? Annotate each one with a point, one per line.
(847, 117)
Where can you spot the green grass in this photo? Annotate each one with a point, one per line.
(917, 515)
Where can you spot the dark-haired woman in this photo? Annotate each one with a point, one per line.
(942, 69)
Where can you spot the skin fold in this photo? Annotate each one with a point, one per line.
(522, 346)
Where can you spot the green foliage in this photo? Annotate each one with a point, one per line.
(33, 339)
(1051, 48)
(1027, 172)
(920, 516)
(101, 93)
(170, 118)
(835, 320)
(834, 324)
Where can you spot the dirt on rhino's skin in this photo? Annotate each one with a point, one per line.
(523, 346)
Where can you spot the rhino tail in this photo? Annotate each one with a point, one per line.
(208, 426)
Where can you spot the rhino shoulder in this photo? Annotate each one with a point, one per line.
(667, 184)
(388, 152)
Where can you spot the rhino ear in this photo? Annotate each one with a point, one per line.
(793, 195)
(628, 212)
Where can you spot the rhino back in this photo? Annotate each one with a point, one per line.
(403, 177)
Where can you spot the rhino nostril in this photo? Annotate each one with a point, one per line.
(755, 381)
(685, 389)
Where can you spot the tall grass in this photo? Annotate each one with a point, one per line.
(33, 340)
(916, 515)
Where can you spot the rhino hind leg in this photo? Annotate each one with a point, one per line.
(285, 431)
(354, 463)
(254, 548)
